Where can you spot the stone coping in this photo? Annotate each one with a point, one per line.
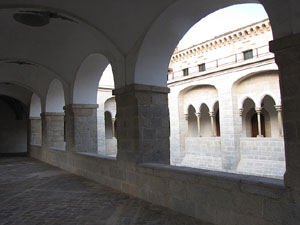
(35, 118)
(105, 157)
(284, 43)
(52, 114)
(36, 145)
(248, 183)
(82, 106)
(56, 149)
(141, 88)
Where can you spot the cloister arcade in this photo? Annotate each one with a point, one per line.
(52, 65)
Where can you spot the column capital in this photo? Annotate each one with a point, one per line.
(198, 114)
(278, 108)
(186, 116)
(258, 109)
(212, 114)
(241, 110)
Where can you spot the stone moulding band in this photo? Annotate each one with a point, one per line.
(141, 88)
(35, 118)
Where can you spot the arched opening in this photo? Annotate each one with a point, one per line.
(205, 121)
(35, 120)
(254, 126)
(192, 122)
(221, 61)
(108, 125)
(13, 123)
(53, 121)
(107, 142)
(217, 116)
(272, 121)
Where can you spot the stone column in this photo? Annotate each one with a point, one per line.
(113, 127)
(81, 127)
(53, 129)
(35, 130)
(212, 123)
(258, 111)
(143, 124)
(279, 116)
(198, 123)
(287, 57)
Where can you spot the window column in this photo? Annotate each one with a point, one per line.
(279, 115)
(258, 111)
(212, 122)
(113, 127)
(198, 123)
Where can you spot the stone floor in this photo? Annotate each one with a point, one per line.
(32, 192)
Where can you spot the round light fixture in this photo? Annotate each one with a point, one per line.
(32, 19)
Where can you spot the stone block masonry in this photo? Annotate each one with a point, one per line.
(143, 126)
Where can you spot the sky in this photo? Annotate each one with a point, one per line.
(222, 21)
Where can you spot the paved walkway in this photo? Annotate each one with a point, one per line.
(32, 192)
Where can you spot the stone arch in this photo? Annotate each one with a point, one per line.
(276, 99)
(164, 35)
(35, 106)
(216, 110)
(87, 79)
(55, 100)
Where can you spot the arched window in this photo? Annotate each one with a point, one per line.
(108, 125)
(192, 122)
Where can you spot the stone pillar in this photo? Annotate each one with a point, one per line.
(143, 124)
(53, 129)
(198, 123)
(81, 127)
(258, 111)
(287, 57)
(35, 130)
(279, 116)
(230, 127)
(212, 123)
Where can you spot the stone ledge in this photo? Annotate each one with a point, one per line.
(56, 149)
(258, 185)
(141, 88)
(81, 106)
(111, 158)
(52, 114)
(284, 43)
(34, 118)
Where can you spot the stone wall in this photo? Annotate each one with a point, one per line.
(203, 153)
(262, 156)
(216, 197)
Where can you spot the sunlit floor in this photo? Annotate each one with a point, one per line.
(32, 192)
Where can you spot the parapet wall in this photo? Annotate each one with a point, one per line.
(215, 197)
